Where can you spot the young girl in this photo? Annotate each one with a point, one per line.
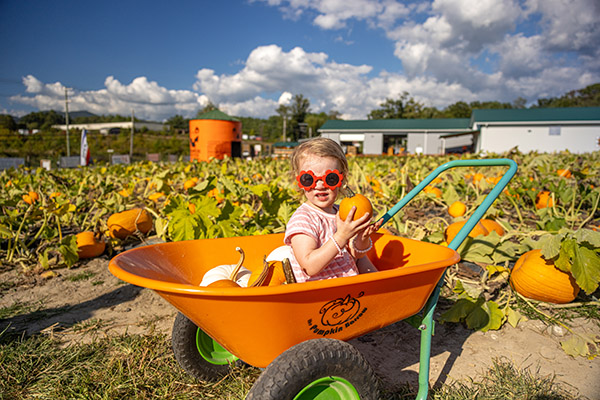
(323, 245)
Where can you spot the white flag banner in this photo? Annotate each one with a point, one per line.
(85, 150)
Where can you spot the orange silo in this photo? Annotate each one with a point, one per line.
(215, 134)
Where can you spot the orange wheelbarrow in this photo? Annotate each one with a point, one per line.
(298, 332)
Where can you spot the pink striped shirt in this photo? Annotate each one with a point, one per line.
(320, 226)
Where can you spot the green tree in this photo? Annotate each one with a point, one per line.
(177, 122)
(404, 107)
(209, 107)
(460, 109)
(586, 97)
(42, 119)
(390, 108)
(8, 122)
(489, 105)
(299, 108)
(520, 103)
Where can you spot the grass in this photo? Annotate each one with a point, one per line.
(143, 367)
(82, 276)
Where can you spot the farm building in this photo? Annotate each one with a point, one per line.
(215, 134)
(537, 129)
(114, 127)
(544, 130)
(395, 136)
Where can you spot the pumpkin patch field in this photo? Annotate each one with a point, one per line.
(535, 255)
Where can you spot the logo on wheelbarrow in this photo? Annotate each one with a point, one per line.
(338, 314)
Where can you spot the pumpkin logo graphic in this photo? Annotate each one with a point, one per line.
(194, 138)
(339, 311)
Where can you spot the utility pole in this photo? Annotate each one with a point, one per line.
(67, 121)
(284, 126)
(131, 138)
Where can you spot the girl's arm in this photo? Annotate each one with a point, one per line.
(311, 258)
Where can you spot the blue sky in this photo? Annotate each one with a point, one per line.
(164, 58)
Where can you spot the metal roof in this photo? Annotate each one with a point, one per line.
(442, 124)
(536, 115)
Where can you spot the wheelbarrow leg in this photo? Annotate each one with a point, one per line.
(426, 328)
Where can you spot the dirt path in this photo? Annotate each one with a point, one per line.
(98, 304)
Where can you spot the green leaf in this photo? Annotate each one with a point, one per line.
(182, 226)
(43, 260)
(575, 346)
(495, 316)
(588, 236)
(473, 291)
(566, 255)
(259, 189)
(551, 245)
(586, 269)
(285, 212)
(458, 311)
(514, 317)
(160, 226)
(449, 195)
(5, 232)
(206, 207)
(68, 249)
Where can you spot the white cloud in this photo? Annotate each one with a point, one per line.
(147, 99)
(568, 25)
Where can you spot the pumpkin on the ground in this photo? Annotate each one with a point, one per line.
(452, 230)
(123, 224)
(457, 209)
(492, 225)
(565, 173)
(543, 200)
(88, 246)
(537, 278)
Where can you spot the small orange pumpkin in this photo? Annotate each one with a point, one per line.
(492, 225)
(273, 276)
(565, 173)
(31, 197)
(123, 224)
(452, 230)
(363, 205)
(543, 200)
(433, 190)
(457, 209)
(483, 227)
(537, 278)
(88, 246)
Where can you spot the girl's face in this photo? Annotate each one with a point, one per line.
(320, 196)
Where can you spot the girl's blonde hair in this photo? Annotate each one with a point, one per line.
(321, 147)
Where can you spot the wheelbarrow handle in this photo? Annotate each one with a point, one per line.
(427, 321)
(481, 209)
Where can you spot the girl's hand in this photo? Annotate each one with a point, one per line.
(346, 229)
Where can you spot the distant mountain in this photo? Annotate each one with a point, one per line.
(79, 114)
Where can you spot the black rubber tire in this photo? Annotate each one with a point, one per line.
(185, 347)
(309, 361)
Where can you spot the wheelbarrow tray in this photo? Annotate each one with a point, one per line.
(258, 324)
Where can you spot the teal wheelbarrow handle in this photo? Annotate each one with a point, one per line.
(427, 322)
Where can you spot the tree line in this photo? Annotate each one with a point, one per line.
(295, 121)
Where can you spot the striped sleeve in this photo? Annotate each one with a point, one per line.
(301, 222)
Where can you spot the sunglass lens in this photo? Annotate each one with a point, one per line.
(306, 180)
(332, 179)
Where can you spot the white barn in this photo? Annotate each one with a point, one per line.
(576, 129)
(107, 127)
(420, 136)
(545, 130)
